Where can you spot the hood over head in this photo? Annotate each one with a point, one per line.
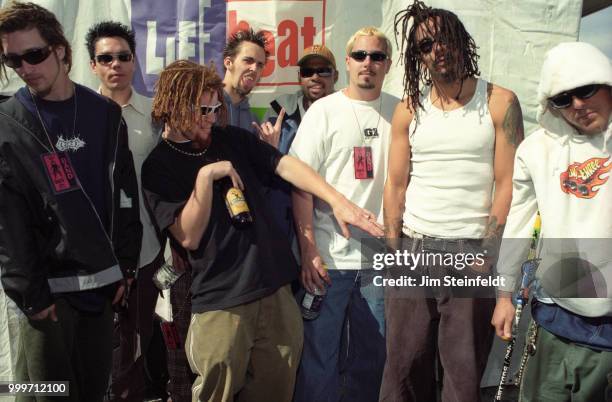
(567, 66)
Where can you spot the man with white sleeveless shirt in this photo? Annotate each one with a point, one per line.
(448, 189)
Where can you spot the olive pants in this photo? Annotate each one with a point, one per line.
(246, 353)
(561, 371)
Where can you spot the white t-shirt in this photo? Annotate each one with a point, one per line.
(330, 130)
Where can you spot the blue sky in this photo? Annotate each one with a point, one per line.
(596, 29)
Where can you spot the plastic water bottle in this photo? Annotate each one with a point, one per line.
(313, 301)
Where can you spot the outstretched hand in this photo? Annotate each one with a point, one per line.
(347, 213)
(271, 133)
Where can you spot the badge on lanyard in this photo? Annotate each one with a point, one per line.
(60, 173)
(362, 162)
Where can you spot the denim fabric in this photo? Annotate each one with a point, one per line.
(278, 193)
(592, 332)
(344, 348)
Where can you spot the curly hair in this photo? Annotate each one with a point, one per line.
(446, 29)
(17, 16)
(232, 46)
(108, 29)
(179, 88)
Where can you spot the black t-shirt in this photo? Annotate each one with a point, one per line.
(231, 266)
(85, 139)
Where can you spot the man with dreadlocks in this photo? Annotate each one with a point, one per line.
(454, 137)
(245, 334)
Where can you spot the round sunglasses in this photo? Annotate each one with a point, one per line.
(564, 99)
(32, 57)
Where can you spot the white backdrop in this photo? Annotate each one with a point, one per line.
(512, 35)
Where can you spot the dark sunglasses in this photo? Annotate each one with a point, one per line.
(206, 110)
(32, 57)
(426, 45)
(361, 55)
(108, 58)
(564, 99)
(321, 71)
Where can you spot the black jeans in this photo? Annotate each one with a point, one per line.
(136, 326)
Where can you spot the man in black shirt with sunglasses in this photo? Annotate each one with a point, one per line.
(69, 216)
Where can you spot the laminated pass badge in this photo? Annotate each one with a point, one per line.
(362, 162)
(60, 172)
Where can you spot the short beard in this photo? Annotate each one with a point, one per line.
(366, 85)
(46, 91)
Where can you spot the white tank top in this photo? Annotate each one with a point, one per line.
(451, 170)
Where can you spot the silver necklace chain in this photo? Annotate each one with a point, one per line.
(42, 122)
(185, 152)
(357, 119)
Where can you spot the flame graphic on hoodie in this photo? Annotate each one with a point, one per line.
(581, 179)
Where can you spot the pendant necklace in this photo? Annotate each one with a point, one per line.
(62, 144)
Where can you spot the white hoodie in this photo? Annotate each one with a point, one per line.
(566, 176)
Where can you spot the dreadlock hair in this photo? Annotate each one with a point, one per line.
(448, 30)
(17, 16)
(178, 91)
(232, 46)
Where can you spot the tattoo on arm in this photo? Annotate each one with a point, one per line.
(493, 235)
(513, 123)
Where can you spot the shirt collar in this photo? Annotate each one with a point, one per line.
(242, 105)
(135, 101)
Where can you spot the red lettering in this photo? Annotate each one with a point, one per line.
(271, 49)
(234, 26)
(288, 48)
(290, 38)
(308, 31)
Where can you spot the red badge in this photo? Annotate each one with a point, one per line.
(60, 172)
(362, 162)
